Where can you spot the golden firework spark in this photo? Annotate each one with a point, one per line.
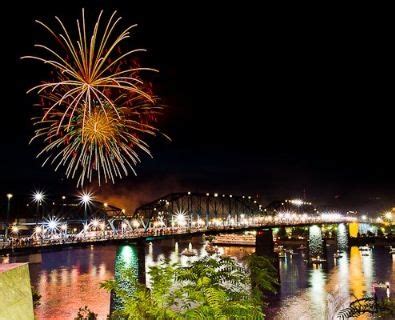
(97, 109)
(106, 144)
(89, 69)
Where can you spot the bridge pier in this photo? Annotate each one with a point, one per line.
(264, 246)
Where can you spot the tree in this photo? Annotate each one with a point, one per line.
(85, 314)
(209, 288)
(383, 309)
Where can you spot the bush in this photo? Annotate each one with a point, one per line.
(209, 288)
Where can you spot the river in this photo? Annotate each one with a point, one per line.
(70, 278)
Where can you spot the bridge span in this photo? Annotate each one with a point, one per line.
(172, 214)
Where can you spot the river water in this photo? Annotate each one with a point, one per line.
(70, 278)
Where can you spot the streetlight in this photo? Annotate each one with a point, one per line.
(15, 229)
(9, 197)
(38, 197)
(86, 199)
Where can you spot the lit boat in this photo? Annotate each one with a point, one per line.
(189, 252)
(282, 255)
(211, 249)
(278, 248)
(291, 252)
(234, 240)
(392, 250)
(337, 255)
(317, 260)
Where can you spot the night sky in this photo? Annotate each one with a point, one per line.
(277, 102)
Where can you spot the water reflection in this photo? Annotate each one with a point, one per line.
(315, 241)
(342, 237)
(70, 279)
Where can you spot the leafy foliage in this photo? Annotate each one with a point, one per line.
(85, 314)
(384, 309)
(36, 297)
(209, 288)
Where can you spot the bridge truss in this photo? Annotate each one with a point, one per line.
(189, 209)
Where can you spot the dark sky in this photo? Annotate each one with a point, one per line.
(272, 101)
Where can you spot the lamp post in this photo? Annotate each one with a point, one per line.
(38, 197)
(85, 199)
(9, 197)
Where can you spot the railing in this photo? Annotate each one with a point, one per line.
(63, 238)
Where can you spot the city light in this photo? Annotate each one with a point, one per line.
(364, 217)
(38, 229)
(38, 196)
(15, 229)
(331, 216)
(135, 224)
(297, 202)
(388, 215)
(181, 219)
(95, 223)
(86, 198)
(52, 224)
(9, 196)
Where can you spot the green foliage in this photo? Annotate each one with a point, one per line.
(208, 288)
(85, 314)
(282, 233)
(381, 309)
(263, 276)
(36, 297)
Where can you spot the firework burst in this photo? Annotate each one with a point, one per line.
(106, 145)
(97, 109)
(89, 70)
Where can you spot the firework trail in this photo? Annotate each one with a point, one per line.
(96, 108)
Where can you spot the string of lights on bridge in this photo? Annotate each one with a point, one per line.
(54, 227)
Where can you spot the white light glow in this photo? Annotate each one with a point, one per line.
(38, 196)
(86, 198)
(297, 202)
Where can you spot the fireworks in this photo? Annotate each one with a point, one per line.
(88, 69)
(97, 108)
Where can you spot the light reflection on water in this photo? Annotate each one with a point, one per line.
(70, 279)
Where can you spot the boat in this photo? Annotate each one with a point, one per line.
(234, 240)
(189, 252)
(337, 255)
(317, 260)
(291, 252)
(211, 249)
(364, 248)
(282, 255)
(278, 248)
(301, 247)
(392, 250)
